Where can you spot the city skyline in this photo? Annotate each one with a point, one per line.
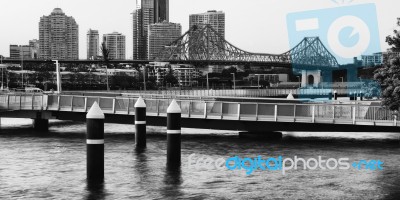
(248, 26)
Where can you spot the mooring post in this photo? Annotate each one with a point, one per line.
(174, 135)
(95, 143)
(140, 123)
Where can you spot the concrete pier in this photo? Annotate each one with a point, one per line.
(40, 124)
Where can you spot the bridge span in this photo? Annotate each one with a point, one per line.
(209, 114)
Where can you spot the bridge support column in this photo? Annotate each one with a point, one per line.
(140, 124)
(261, 135)
(173, 135)
(40, 124)
(310, 78)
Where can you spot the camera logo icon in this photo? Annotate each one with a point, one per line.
(347, 31)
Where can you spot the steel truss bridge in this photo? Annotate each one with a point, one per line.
(203, 45)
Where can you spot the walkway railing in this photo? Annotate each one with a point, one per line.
(279, 112)
(249, 92)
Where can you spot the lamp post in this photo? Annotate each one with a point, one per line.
(2, 71)
(207, 83)
(108, 86)
(58, 76)
(144, 77)
(258, 80)
(22, 66)
(234, 83)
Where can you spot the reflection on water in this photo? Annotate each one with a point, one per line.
(53, 165)
(95, 190)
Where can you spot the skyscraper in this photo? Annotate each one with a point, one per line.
(161, 11)
(147, 12)
(58, 36)
(92, 44)
(161, 34)
(212, 17)
(115, 43)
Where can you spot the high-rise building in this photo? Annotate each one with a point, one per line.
(34, 44)
(147, 12)
(92, 44)
(161, 11)
(213, 18)
(115, 43)
(161, 34)
(20, 52)
(58, 36)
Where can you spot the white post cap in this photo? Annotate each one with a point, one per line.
(95, 112)
(174, 107)
(290, 96)
(140, 103)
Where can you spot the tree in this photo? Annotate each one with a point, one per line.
(105, 51)
(388, 75)
(170, 78)
(227, 72)
(394, 41)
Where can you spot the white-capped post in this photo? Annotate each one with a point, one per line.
(95, 143)
(140, 124)
(174, 135)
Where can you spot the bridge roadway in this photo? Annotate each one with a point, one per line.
(209, 114)
(144, 62)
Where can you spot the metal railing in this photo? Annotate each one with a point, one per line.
(279, 112)
(271, 92)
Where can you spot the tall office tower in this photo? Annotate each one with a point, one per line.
(147, 12)
(115, 43)
(34, 44)
(93, 47)
(212, 17)
(58, 36)
(161, 34)
(161, 11)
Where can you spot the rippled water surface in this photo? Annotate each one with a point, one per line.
(53, 165)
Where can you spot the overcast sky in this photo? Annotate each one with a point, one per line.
(252, 25)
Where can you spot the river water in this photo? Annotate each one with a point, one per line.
(53, 165)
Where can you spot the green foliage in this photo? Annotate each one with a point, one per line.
(388, 75)
(226, 73)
